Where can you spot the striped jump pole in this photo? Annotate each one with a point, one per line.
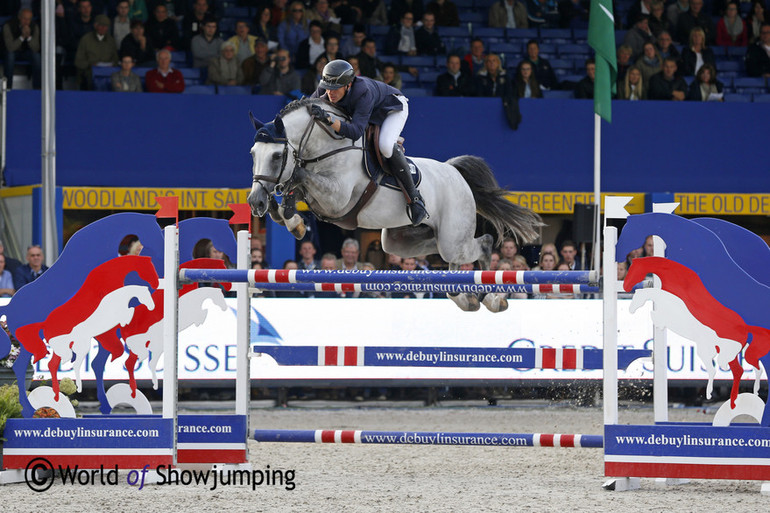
(430, 287)
(320, 436)
(501, 358)
(254, 276)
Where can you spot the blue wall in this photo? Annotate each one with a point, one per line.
(108, 139)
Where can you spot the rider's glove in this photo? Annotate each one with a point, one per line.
(317, 112)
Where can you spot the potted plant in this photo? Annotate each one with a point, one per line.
(9, 408)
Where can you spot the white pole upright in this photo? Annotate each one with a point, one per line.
(50, 239)
(243, 329)
(170, 325)
(610, 318)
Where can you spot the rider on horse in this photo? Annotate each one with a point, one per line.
(369, 101)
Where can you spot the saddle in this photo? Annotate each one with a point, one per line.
(375, 166)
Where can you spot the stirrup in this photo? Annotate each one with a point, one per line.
(422, 212)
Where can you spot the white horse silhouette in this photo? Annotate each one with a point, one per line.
(672, 313)
(113, 311)
(191, 313)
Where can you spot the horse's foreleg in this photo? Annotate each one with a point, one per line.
(53, 368)
(130, 367)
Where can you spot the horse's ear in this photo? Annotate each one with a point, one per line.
(254, 121)
(278, 122)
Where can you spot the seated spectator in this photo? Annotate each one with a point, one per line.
(162, 30)
(623, 54)
(755, 19)
(97, 48)
(353, 45)
(243, 41)
(311, 48)
(573, 14)
(193, 23)
(473, 62)
(125, 80)
(695, 18)
(225, 69)
(428, 39)
(121, 25)
(138, 46)
(706, 87)
(633, 87)
(354, 63)
(294, 28)
(637, 7)
(492, 80)
(325, 15)
(658, 20)
(278, 12)
(206, 45)
(332, 48)
(137, 10)
(569, 256)
(665, 85)
(544, 73)
(509, 249)
(401, 39)
(263, 29)
(673, 11)
(11, 264)
(350, 252)
(253, 66)
(80, 22)
(525, 82)
(665, 47)
(368, 62)
(758, 54)
(22, 41)
(312, 77)
(279, 78)
(585, 88)
(307, 254)
(508, 14)
(399, 7)
(34, 267)
(548, 247)
(454, 82)
(731, 29)
(6, 280)
(649, 63)
(697, 53)
(328, 263)
(543, 13)
(445, 12)
(391, 76)
(164, 79)
(638, 35)
(372, 12)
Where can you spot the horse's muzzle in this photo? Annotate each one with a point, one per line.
(258, 201)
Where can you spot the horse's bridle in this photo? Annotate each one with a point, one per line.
(299, 162)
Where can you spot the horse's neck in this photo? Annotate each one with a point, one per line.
(331, 185)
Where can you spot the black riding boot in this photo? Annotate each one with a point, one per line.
(400, 169)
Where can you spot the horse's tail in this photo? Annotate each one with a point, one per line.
(506, 217)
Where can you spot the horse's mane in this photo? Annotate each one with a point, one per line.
(304, 102)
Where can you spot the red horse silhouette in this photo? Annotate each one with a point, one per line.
(684, 283)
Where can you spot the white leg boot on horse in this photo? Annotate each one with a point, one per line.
(400, 168)
(294, 223)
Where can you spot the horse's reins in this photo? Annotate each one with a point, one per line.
(300, 162)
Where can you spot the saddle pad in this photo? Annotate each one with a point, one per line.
(373, 170)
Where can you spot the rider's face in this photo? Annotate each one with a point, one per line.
(336, 95)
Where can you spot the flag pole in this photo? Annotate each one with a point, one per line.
(597, 191)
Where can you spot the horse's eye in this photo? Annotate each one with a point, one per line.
(277, 156)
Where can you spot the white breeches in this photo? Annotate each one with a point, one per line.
(391, 128)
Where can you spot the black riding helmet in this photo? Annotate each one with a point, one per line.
(336, 74)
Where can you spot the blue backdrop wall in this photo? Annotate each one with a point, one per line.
(108, 139)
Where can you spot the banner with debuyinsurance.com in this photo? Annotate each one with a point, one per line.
(208, 351)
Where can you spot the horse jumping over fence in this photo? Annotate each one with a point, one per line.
(296, 156)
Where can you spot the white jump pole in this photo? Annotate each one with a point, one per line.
(170, 325)
(610, 318)
(243, 329)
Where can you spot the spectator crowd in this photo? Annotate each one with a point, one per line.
(683, 50)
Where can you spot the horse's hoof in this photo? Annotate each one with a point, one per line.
(473, 303)
(495, 303)
(466, 302)
(299, 232)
